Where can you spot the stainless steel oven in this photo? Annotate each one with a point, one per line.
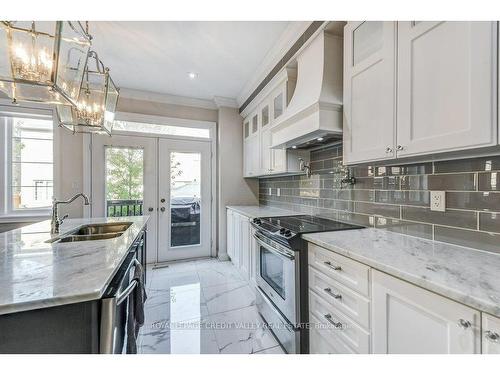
(278, 299)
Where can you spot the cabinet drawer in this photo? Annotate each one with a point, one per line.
(350, 303)
(491, 334)
(349, 333)
(318, 344)
(347, 271)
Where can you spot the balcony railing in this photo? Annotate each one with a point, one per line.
(123, 207)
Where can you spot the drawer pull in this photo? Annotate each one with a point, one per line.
(333, 322)
(462, 323)
(335, 268)
(492, 336)
(329, 291)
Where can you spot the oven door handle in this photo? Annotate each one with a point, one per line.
(272, 249)
(129, 289)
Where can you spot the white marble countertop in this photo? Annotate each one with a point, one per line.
(465, 275)
(36, 274)
(261, 211)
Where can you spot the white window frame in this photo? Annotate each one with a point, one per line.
(7, 214)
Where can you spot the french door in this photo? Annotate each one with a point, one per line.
(124, 180)
(168, 179)
(184, 193)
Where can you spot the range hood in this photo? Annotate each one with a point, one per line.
(314, 114)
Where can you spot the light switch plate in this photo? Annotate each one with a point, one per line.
(438, 201)
(278, 192)
(270, 191)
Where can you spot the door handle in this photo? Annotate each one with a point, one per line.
(150, 209)
(162, 209)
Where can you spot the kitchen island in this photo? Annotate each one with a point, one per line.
(45, 280)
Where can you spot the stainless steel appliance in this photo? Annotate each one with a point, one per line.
(114, 304)
(282, 274)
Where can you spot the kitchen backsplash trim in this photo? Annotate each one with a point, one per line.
(397, 198)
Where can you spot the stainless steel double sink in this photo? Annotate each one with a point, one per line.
(93, 232)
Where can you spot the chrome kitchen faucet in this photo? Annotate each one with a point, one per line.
(55, 221)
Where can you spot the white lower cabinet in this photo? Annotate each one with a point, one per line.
(230, 233)
(490, 334)
(410, 320)
(354, 308)
(241, 244)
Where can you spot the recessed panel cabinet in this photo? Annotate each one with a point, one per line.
(491, 334)
(445, 77)
(446, 86)
(410, 320)
(369, 91)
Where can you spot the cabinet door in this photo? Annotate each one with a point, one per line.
(265, 151)
(446, 86)
(245, 248)
(491, 334)
(411, 320)
(230, 234)
(237, 239)
(369, 91)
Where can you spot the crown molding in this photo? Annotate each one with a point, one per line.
(293, 31)
(221, 101)
(167, 98)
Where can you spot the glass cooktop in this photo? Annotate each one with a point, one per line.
(304, 224)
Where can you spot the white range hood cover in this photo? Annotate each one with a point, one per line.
(315, 109)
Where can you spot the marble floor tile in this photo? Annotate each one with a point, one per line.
(241, 331)
(226, 297)
(202, 306)
(216, 276)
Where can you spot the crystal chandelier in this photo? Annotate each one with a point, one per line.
(43, 61)
(95, 110)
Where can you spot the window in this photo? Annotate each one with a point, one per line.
(28, 164)
(141, 127)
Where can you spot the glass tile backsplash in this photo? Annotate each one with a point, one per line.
(397, 198)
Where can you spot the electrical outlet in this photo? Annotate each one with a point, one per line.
(438, 201)
(278, 192)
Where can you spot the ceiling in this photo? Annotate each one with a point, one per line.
(157, 56)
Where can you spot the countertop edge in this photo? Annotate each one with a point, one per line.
(278, 211)
(452, 294)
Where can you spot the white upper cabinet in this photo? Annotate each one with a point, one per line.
(251, 145)
(411, 320)
(369, 91)
(446, 86)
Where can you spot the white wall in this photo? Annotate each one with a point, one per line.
(233, 189)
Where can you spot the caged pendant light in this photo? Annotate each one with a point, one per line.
(43, 61)
(95, 110)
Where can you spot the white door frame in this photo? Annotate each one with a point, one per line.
(125, 116)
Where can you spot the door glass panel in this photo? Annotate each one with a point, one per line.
(124, 181)
(255, 125)
(278, 106)
(272, 270)
(367, 39)
(247, 129)
(185, 198)
(265, 115)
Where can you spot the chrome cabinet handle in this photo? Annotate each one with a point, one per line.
(388, 150)
(492, 336)
(400, 148)
(150, 209)
(335, 268)
(333, 322)
(462, 323)
(329, 291)
(162, 209)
